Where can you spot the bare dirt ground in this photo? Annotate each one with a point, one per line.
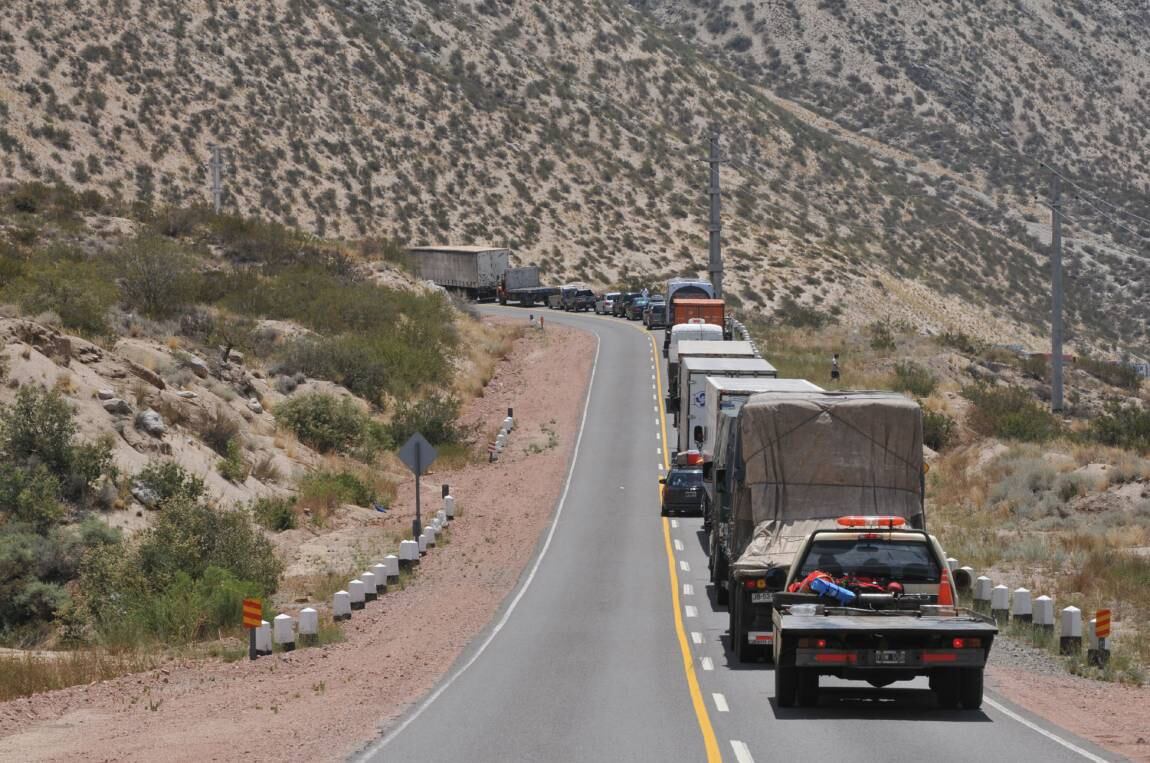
(323, 703)
(1111, 715)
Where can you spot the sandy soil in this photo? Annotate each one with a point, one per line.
(323, 703)
(1113, 716)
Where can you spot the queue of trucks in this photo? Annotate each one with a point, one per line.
(813, 501)
(814, 512)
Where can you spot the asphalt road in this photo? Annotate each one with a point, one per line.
(612, 649)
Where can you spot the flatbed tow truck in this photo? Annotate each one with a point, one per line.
(872, 600)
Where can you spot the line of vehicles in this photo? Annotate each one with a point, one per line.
(814, 513)
(812, 500)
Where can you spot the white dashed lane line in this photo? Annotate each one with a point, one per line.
(674, 523)
(678, 545)
(742, 752)
(690, 611)
(688, 589)
(684, 566)
(707, 664)
(720, 703)
(696, 637)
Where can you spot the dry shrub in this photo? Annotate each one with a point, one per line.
(33, 673)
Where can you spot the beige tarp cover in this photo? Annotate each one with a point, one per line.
(810, 457)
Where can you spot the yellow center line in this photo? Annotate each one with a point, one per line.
(709, 741)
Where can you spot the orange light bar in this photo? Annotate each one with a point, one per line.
(862, 521)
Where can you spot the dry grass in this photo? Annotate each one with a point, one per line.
(486, 345)
(34, 672)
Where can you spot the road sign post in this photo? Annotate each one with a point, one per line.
(418, 455)
(253, 618)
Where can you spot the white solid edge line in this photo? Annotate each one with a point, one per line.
(742, 752)
(720, 703)
(375, 748)
(1048, 734)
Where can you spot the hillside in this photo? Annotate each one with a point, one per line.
(573, 132)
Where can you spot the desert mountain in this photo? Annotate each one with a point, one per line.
(883, 160)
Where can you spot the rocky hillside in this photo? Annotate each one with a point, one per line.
(573, 133)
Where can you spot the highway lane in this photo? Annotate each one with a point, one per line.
(589, 665)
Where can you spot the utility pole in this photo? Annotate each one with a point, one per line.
(217, 166)
(716, 228)
(1056, 294)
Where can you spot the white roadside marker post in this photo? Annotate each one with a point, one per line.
(308, 626)
(391, 568)
(380, 572)
(341, 606)
(449, 507)
(285, 632)
(356, 589)
(408, 553)
(963, 578)
(1070, 642)
(1021, 609)
(982, 589)
(370, 591)
(1044, 614)
(421, 544)
(264, 638)
(1000, 604)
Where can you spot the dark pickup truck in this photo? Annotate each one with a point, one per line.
(577, 300)
(873, 601)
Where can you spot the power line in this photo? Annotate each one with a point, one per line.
(1087, 192)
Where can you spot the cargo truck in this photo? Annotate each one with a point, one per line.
(725, 396)
(685, 289)
(792, 464)
(871, 600)
(709, 344)
(692, 400)
(473, 271)
(521, 286)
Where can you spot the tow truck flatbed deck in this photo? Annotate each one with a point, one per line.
(884, 623)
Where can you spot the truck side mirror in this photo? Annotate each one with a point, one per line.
(698, 435)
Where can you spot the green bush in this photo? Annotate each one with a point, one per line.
(170, 481)
(275, 514)
(1115, 374)
(157, 278)
(31, 495)
(435, 417)
(962, 342)
(333, 488)
(797, 315)
(324, 422)
(915, 379)
(77, 290)
(937, 429)
(232, 466)
(882, 336)
(1011, 413)
(1123, 425)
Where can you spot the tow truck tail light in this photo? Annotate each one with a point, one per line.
(966, 643)
(755, 583)
(869, 521)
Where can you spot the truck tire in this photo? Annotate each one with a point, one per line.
(786, 685)
(807, 686)
(970, 688)
(946, 686)
(718, 576)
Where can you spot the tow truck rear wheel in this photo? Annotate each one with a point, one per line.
(946, 685)
(786, 685)
(808, 687)
(970, 688)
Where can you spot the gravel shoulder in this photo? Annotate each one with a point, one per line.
(1113, 716)
(324, 703)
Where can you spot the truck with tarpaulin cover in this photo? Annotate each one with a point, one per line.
(797, 461)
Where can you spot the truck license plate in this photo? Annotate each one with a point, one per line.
(762, 597)
(892, 657)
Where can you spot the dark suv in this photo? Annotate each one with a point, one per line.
(581, 299)
(619, 309)
(683, 491)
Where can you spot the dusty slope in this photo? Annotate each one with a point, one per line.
(320, 704)
(572, 133)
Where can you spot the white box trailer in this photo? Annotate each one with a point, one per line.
(474, 270)
(726, 395)
(693, 373)
(699, 348)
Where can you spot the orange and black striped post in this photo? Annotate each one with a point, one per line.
(253, 618)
